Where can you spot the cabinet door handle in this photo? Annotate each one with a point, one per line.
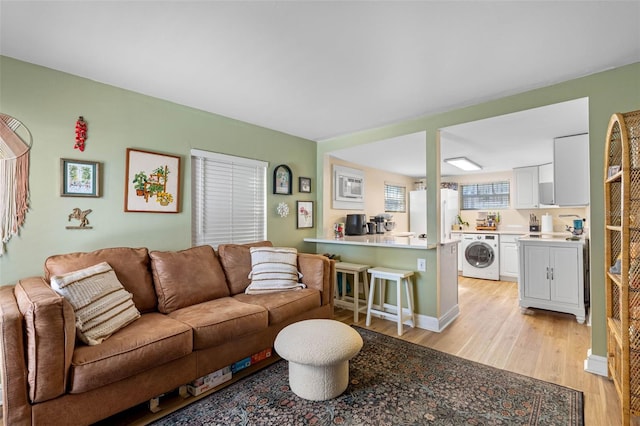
(547, 272)
(551, 274)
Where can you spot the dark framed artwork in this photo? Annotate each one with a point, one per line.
(282, 180)
(152, 183)
(79, 178)
(304, 184)
(304, 214)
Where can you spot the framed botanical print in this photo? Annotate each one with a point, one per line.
(79, 178)
(304, 214)
(152, 182)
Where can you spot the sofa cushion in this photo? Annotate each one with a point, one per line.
(101, 304)
(273, 269)
(131, 266)
(285, 304)
(221, 320)
(187, 277)
(236, 262)
(50, 336)
(154, 339)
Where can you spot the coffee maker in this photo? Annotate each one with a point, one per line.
(379, 224)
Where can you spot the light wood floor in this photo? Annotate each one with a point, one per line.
(491, 330)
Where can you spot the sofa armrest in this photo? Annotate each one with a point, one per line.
(49, 335)
(318, 272)
(15, 404)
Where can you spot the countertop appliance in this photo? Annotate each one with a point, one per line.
(480, 256)
(371, 227)
(356, 224)
(379, 223)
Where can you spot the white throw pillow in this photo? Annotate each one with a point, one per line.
(274, 269)
(100, 302)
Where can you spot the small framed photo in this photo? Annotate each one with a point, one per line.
(79, 178)
(612, 170)
(282, 180)
(304, 184)
(304, 210)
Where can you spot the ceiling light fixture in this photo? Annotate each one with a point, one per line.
(463, 163)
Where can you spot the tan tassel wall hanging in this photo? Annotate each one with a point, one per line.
(15, 143)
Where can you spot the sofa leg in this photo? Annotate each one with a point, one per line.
(182, 391)
(154, 404)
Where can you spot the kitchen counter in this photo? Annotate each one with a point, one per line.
(524, 234)
(389, 240)
(506, 231)
(556, 237)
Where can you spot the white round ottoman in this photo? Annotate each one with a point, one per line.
(318, 352)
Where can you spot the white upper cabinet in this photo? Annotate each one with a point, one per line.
(571, 170)
(545, 172)
(526, 184)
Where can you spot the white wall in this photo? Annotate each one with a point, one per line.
(374, 195)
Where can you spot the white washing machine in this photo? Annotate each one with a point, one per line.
(480, 256)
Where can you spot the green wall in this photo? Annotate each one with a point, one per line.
(49, 102)
(612, 91)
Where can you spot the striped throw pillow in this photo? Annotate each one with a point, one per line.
(101, 304)
(274, 269)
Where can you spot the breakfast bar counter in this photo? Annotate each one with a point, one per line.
(388, 240)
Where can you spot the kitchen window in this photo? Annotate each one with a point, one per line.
(481, 196)
(228, 199)
(395, 198)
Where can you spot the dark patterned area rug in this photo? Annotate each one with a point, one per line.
(392, 382)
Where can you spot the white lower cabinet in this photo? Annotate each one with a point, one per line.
(553, 275)
(458, 237)
(509, 257)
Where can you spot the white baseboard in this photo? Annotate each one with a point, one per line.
(437, 324)
(596, 364)
(426, 322)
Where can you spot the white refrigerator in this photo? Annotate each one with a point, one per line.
(418, 212)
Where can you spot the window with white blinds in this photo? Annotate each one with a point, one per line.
(395, 198)
(228, 200)
(480, 196)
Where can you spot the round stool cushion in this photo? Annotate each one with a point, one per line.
(318, 352)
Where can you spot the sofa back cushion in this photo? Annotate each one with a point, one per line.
(131, 265)
(50, 335)
(236, 262)
(187, 277)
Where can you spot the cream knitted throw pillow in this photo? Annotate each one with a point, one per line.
(274, 269)
(101, 304)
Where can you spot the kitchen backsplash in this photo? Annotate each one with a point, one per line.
(512, 220)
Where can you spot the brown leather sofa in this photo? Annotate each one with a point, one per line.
(50, 377)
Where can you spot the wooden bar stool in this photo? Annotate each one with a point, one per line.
(402, 279)
(348, 302)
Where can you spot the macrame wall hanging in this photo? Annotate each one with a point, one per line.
(15, 143)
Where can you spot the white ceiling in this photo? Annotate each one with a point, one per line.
(497, 144)
(319, 69)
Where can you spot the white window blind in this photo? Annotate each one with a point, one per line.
(480, 196)
(229, 196)
(395, 198)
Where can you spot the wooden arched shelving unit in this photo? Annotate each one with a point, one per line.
(622, 258)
